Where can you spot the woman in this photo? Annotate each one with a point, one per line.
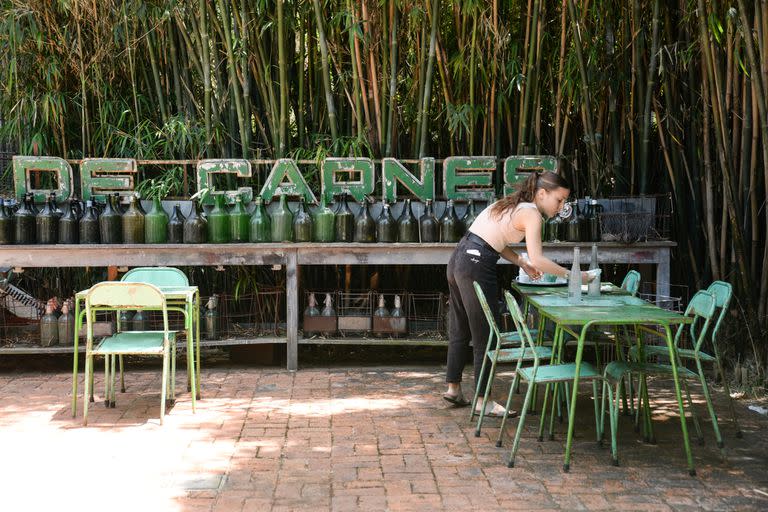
(507, 221)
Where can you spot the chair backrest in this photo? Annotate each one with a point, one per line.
(702, 309)
(489, 317)
(118, 295)
(522, 328)
(723, 292)
(631, 282)
(158, 276)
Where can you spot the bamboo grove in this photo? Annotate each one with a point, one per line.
(633, 96)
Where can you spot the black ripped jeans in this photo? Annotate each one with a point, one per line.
(473, 260)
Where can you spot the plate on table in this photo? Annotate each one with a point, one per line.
(559, 281)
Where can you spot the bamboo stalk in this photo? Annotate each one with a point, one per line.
(331, 108)
(435, 13)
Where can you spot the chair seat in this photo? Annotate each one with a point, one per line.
(141, 342)
(662, 350)
(617, 369)
(559, 372)
(510, 355)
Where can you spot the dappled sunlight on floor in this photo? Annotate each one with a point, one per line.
(346, 439)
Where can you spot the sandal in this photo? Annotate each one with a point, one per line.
(457, 401)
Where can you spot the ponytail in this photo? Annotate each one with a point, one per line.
(526, 192)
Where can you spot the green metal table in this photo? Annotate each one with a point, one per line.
(615, 309)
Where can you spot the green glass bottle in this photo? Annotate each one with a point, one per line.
(175, 231)
(133, 223)
(469, 217)
(573, 226)
(68, 224)
(386, 227)
(324, 223)
(428, 227)
(260, 225)
(365, 227)
(345, 221)
(239, 221)
(89, 225)
(6, 225)
(110, 223)
(449, 224)
(195, 226)
(24, 223)
(407, 225)
(302, 223)
(47, 224)
(282, 222)
(155, 223)
(219, 229)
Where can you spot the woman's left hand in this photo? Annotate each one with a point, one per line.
(532, 271)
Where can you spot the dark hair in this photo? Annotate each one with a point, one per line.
(547, 180)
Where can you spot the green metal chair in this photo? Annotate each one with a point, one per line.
(631, 282)
(117, 296)
(498, 351)
(702, 310)
(723, 293)
(168, 277)
(548, 374)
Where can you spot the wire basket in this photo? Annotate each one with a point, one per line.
(633, 219)
(389, 325)
(249, 315)
(355, 310)
(426, 313)
(319, 324)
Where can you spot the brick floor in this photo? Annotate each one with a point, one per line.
(343, 439)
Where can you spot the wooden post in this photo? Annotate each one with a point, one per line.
(292, 305)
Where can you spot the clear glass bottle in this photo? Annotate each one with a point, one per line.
(593, 288)
(574, 279)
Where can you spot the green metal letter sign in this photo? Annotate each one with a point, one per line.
(393, 172)
(101, 176)
(469, 177)
(25, 166)
(514, 165)
(357, 188)
(207, 169)
(285, 176)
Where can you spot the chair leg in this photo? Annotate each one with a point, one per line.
(476, 394)
(106, 380)
(164, 381)
(122, 375)
(191, 372)
(486, 395)
(515, 385)
(556, 396)
(614, 406)
(710, 407)
(521, 422)
(112, 383)
(543, 412)
(598, 433)
(730, 398)
(87, 386)
(694, 416)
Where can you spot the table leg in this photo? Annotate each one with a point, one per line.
(292, 315)
(574, 393)
(683, 425)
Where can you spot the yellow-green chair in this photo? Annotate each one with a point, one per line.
(118, 296)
